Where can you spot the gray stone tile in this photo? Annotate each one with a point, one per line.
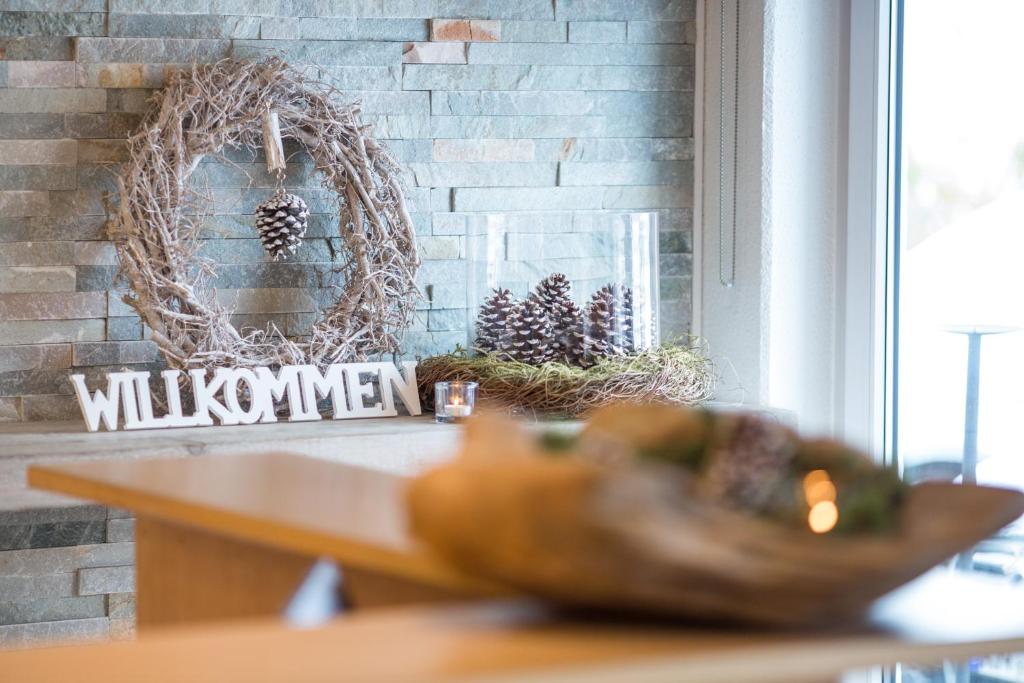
(675, 288)
(447, 320)
(675, 265)
(32, 74)
(77, 630)
(50, 515)
(55, 5)
(38, 177)
(17, 126)
(674, 148)
(121, 605)
(48, 332)
(33, 253)
(656, 32)
(151, 50)
(35, 48)
(31, 357)
(120, 530)
(183, 26)
(52, 609)
(102, 580)
(49, 408)
(59, 560)
(49, 228)
(321, 28)
(52, 100)
(524, 77)
(675, 241)
(10, 409)
(115, 353)
(94, 278)
(21, 203)
(162, 6)
(105, 125)
(51, 24)
(121, 629)
(580, 55)
(124, 329)
(655, 10)
(341, 52)
(626, 173)
(597, 31)
(26, 588)
(491, 174)
(488, 9)
(361, 77)
(37, 279)
(128, 100)
(534, 31)
(53, 306)
(52, 535)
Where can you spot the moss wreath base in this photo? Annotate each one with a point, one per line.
(667, 374)
(156, 224)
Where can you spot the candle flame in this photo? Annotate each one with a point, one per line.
(820, 493)
(823, 517)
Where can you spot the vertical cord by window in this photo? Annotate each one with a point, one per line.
(727, 167)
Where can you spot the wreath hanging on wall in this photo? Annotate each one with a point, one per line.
(156, 225)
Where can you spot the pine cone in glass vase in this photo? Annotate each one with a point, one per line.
(281, 222)
(490, 321)
(748, 459)
(527, 333)
(610, 322)
(565, 316)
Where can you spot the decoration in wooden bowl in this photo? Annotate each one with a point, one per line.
(693, 514)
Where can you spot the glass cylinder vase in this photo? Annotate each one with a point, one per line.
(610, 260)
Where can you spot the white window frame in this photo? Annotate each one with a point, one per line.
(820, 354)
(867, 303)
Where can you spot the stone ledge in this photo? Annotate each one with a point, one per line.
(403, 445)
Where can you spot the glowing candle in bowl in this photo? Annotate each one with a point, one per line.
(454, 401)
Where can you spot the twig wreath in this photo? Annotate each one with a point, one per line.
(156, 225)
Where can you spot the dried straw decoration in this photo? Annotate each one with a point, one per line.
(156, 224)
(669, 374)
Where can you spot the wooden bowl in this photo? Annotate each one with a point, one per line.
(626, 539)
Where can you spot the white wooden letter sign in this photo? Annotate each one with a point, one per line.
(233, 396)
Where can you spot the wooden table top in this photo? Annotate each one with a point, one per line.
(939, 617)
(306, 505)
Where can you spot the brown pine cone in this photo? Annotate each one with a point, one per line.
(748, 459)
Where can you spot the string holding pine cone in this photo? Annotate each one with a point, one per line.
(281, 222)
(490, 324)
(527, 335)
(565, 316)
(610, 322)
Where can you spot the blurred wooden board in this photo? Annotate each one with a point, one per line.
(227, 514)
(940, 617)
(304, 505)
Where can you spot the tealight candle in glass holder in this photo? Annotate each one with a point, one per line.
(454, 401)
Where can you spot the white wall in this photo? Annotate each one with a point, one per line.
(775, 327)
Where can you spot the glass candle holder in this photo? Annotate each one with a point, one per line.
(454, 401)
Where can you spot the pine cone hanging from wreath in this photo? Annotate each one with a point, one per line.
(565, 316)
(527, 333)
(281, 222)
(490, 322)
(610, 321)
